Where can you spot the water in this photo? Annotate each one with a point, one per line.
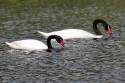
(82, 61)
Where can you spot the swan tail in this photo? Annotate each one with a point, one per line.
(98, 36)
(43, 33)
(11, 45)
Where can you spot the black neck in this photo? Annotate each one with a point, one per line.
(49, 41)
(105, 25)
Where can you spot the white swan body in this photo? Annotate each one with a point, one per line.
(35, 45)
(29, 44)
(71, 33)
(78, 33)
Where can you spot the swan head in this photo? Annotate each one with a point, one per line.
(60, 40)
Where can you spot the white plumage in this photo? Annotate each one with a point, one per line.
(28, 44)
(71, 33)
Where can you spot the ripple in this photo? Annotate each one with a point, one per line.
(80, 61)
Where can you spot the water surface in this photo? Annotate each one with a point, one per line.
(82, 61)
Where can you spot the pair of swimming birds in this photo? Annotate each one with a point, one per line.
(59, 36)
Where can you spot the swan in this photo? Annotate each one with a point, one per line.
(78, 33)
(35, 45)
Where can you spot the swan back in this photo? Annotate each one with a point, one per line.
(29, 44)
(71, 33)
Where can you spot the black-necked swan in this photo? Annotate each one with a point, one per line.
(78, 33)
(35, 45)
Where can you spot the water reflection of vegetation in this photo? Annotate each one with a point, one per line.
(70, 2)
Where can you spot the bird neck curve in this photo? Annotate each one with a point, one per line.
(96, 30)
(49, 41)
